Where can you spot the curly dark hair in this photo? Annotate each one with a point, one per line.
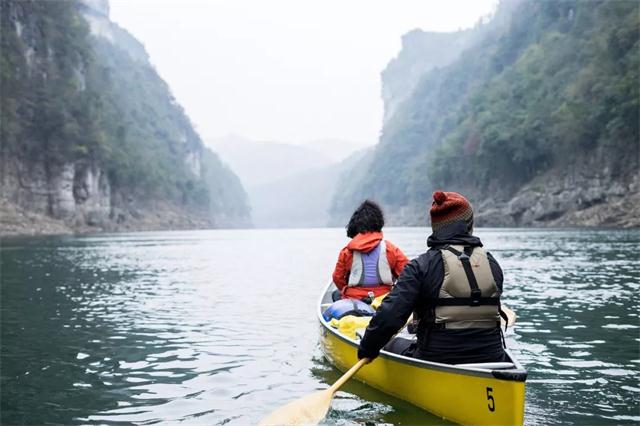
(368, 217)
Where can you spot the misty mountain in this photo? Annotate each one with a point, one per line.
(421, 52)
(91, 135)
(303, 199)
(336, 149)
(289, 185)
(536, 120)
(258, 163)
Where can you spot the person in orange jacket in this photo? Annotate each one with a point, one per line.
(368, 263)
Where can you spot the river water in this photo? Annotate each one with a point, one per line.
(218, 327)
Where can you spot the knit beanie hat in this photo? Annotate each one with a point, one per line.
(449, 207)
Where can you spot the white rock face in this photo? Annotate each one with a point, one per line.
(192, 160)
(62, 204)
(27, 186)
(100, 27)
(81, 79)
(96, 13)
(91, 194)
(75, 192)
(25, 32)
(99, 7)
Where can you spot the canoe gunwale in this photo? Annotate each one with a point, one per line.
(517, 374)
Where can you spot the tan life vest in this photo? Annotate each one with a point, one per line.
(383, 270)
(469, 296)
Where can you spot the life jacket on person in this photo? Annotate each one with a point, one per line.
(469, 296)
(368, 263)
(370, 269)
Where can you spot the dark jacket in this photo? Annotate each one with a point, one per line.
(417, 286)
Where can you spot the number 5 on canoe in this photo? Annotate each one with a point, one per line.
(310, 409)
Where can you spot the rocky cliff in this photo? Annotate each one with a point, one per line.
(584, 194)
(421, 52)
(92, 138)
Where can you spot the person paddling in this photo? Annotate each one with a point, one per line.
(369, 263)
(453, 291)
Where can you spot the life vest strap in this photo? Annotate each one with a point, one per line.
(466, 301)
(476, 294)
(452, 325)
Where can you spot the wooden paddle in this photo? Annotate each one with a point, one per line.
(310, 409)
(511, 316)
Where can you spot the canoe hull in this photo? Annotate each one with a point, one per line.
(468, 397)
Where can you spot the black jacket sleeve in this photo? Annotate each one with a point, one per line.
(393, 313)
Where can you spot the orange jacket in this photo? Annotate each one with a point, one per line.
(365, 242)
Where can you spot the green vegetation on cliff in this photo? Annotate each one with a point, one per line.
(70, 95)
(568, 85)
(45, 113)
(545, 85)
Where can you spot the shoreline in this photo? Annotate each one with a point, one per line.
(16, 222)
(57, 228)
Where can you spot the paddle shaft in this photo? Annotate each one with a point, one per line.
(346, 376)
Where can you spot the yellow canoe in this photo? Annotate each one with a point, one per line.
(473, 394)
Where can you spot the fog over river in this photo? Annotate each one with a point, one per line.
(219, 327)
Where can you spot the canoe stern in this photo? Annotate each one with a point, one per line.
(471, 397)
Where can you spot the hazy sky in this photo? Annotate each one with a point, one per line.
(288, 71)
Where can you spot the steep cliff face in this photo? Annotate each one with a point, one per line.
(421, 52)
(537, 122)
(91, 135)
(44, 82)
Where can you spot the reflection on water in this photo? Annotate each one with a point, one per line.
(218, 327)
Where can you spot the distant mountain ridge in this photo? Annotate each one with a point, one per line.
(336, 149)
(289, 185)
(92, 138)
(303, 199)
(258, 163)
(536, 121)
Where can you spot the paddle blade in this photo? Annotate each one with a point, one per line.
(511, 316)
(308, 410)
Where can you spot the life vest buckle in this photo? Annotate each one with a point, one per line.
(476, 294)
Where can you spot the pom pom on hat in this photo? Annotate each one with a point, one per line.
(439, 197)
(449, 207)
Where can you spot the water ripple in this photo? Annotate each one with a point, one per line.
(218, 327)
